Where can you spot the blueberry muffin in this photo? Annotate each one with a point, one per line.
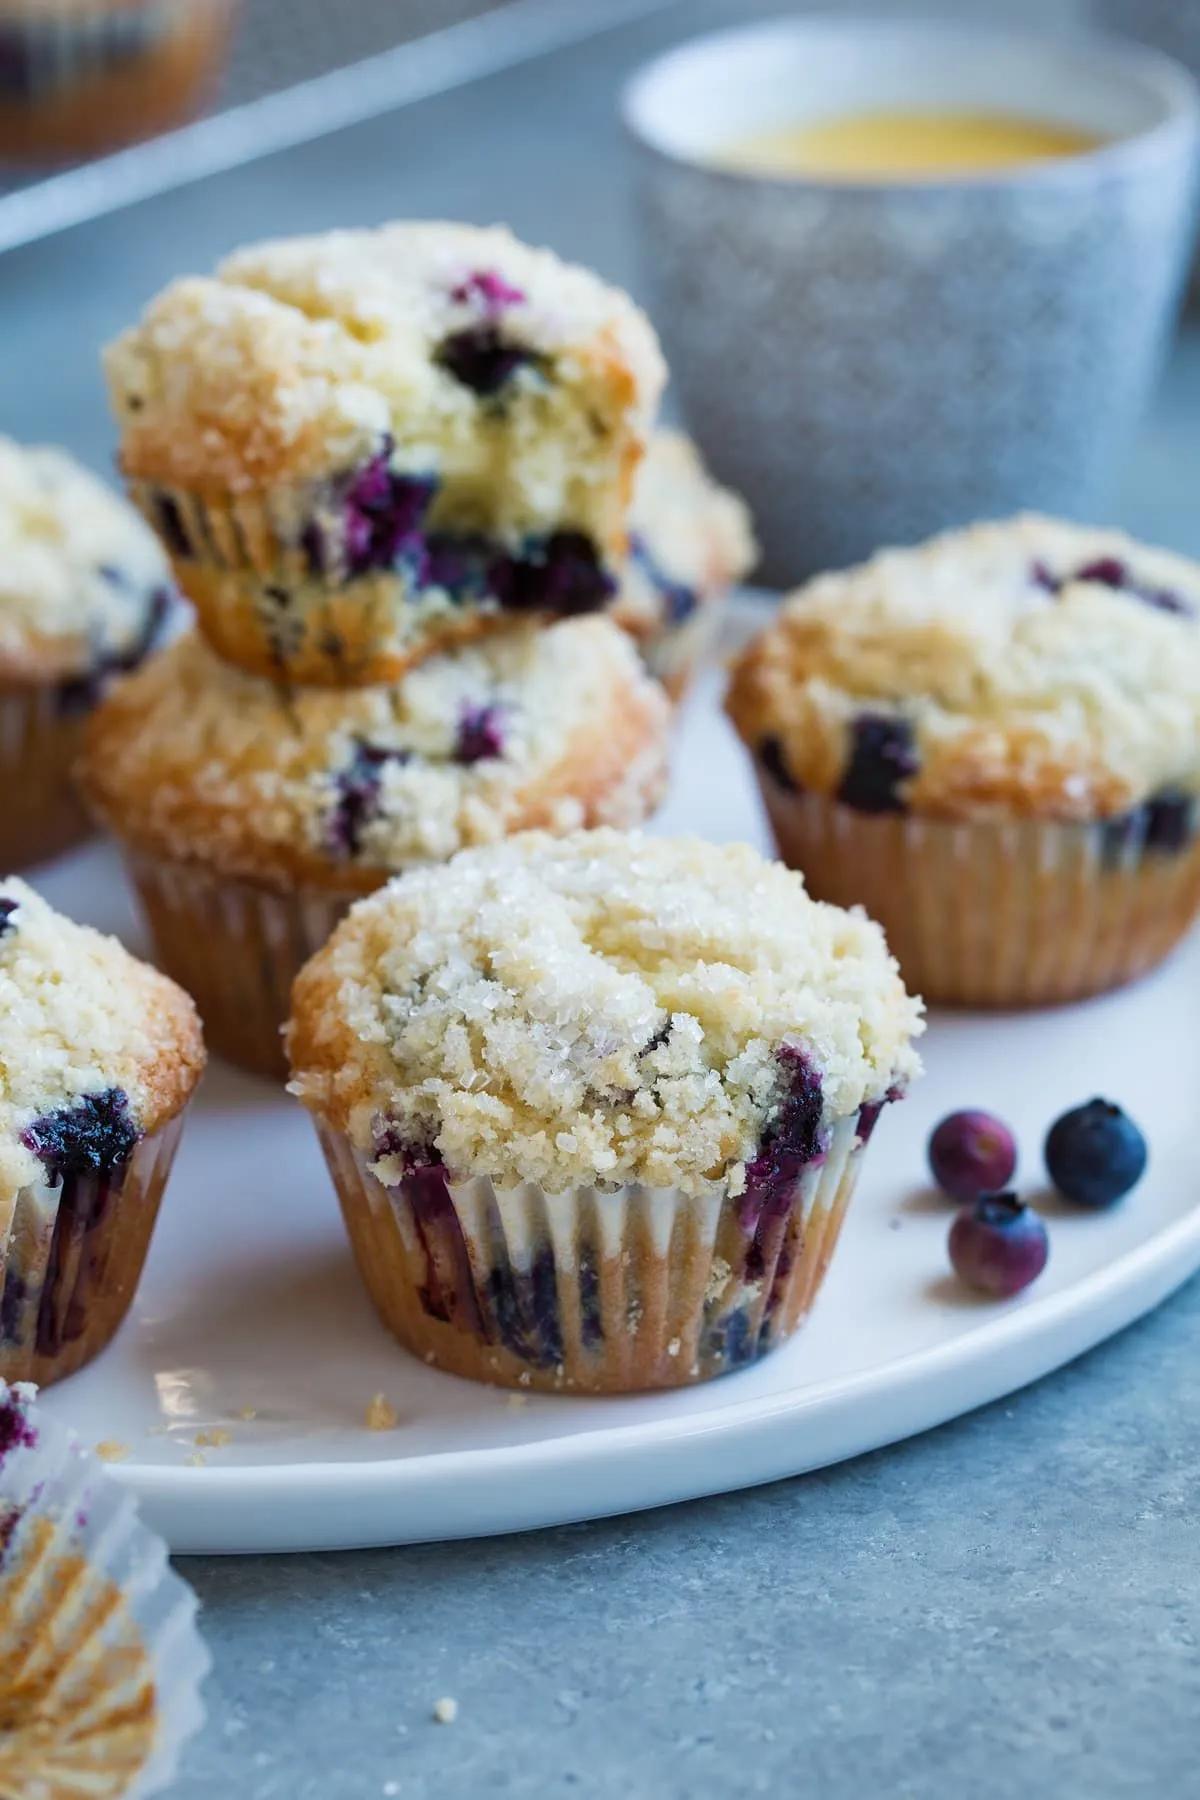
(366, 447)
(251, 818)
(99, 1056)
(84, 591)
(992, 742)
(81, 76)
(690, 541)
(594, 1106)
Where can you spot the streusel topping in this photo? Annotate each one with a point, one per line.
(81, 1019)
(79, 569)
(600, 1008)
(559, 727)
(302, 355)
(1030, 666)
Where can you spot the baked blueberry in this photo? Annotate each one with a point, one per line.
(482, 359)
(382, 512)
(1095, 1154)
(791, 1142)
(679, 601)
(488, 289)
(480, 734)
(561, 574)
(358, 788)
(93, 1136)
(882, 755)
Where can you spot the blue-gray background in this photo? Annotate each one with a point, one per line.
(1006, 1607)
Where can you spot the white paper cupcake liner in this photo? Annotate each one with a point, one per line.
(236, 947)
(607, 1291)
(71, 1257)
(101, 1662)
(40, 814)
(997, 913)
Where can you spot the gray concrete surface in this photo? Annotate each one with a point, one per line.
(1005, 1608)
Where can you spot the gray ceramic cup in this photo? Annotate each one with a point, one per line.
(872, 362)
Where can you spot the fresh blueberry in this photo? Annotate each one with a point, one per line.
(998, 1244)
(7, 909)
(481, 358)
(488, 289)
(1095, 1153)
(882, 755)
(774, 761)
(792, 1140)
(480, 734)
(972, 1153)
(91, 1137)
(359, 787)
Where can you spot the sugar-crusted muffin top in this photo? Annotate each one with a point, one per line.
(602, 1008)
(82, 578)
(96, 1048)
(1029, 666)
(559, 727)
(300, 356)
(690, 537)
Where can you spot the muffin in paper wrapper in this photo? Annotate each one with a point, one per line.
(86, 77)
(40, 739)
(71, 1254)
(101, 1663)
(236, 946)
(996, 913)
(612, 1290)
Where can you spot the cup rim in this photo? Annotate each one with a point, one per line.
(1177, 91)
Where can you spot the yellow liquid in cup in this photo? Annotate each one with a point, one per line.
(903, 146)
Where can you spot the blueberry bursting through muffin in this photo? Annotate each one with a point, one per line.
(518, 1308)
(480, 736)
(381, 527)
(83, 1150)
(82, 692)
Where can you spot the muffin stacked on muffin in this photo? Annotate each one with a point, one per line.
(595, 1105)
(394, 471)
(365, 447)
(990, 742)
(99, 1056)
(84, 592)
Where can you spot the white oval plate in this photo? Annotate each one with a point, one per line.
(250, 1301)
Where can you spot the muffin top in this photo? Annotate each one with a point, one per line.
(96, 1049)
(301, 356)
(601, 1008)
(83, 582)
(689, 538)
(1030, 667)
(559, 727)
